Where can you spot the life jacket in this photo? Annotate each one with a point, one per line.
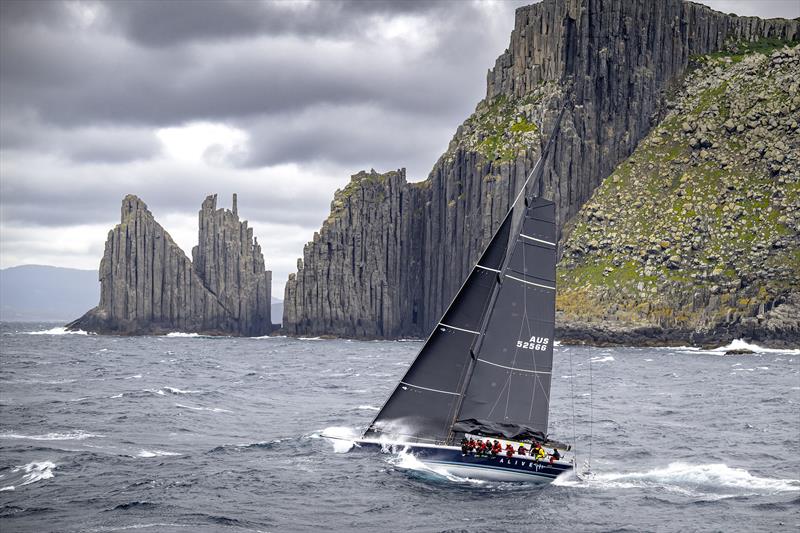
(509, 450)
(540, 453)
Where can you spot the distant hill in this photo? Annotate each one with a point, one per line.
(277, 311)
(36, 292)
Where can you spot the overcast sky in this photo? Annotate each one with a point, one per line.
(278, 101)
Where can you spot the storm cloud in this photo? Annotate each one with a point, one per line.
(278, 101)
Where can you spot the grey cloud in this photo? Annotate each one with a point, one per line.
(23, 131)
(101, 78)
(160, 24)
(357, 137)
(56, 193)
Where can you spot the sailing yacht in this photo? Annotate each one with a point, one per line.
(485, 370)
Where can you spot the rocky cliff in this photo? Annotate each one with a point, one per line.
(149, 286)
(607, 63)
(696, 237)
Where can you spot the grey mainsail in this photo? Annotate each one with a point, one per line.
(487, 365)
(508, 392)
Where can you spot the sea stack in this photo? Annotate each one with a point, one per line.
(149, 286)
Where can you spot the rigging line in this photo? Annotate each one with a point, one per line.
(591, 413)
(572, 391)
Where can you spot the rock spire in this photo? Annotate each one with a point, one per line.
(149, 286)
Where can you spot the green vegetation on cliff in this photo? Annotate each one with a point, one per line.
(699, 228)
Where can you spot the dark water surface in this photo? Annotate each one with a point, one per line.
(222, 434)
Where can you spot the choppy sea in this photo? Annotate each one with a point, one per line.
(186, 433)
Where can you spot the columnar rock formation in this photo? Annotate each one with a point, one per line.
(149, 286)
(229, 261)
(606, 63)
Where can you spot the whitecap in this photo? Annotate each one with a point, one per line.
(174, 390)
(309, 338)
(368, 408)
(740, 344)
(146, 454)
(135, 376)
(72, 435)
(57, 331)
(10, 487)
(36, 471)
(212, 409)
(605, 359)
(183, 335)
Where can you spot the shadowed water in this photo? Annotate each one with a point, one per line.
(223, 434)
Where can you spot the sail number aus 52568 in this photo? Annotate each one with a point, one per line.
(536, 343)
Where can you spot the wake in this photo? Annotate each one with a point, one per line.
(715, 480)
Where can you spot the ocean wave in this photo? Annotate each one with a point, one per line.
(57, 331)
(211, 409)
(309, 338)
(606, 359)
(146, 454)
(31, 473)
(183, 335)
(71, 435)
(368, 408)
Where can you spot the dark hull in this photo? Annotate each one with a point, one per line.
(492, 468)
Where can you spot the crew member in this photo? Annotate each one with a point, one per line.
(555, 456)
(509, 450)
(496, 447)
(471, 445)
(522, 450)
(464, 445)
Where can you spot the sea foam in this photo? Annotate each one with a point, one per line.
(57, 331)
(716, 480)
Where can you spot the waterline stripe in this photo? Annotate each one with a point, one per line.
(487, 268)
(537, 240)
(489, 467)
(432, 390)
(459, 329)
(512, 368)
(531, 283)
